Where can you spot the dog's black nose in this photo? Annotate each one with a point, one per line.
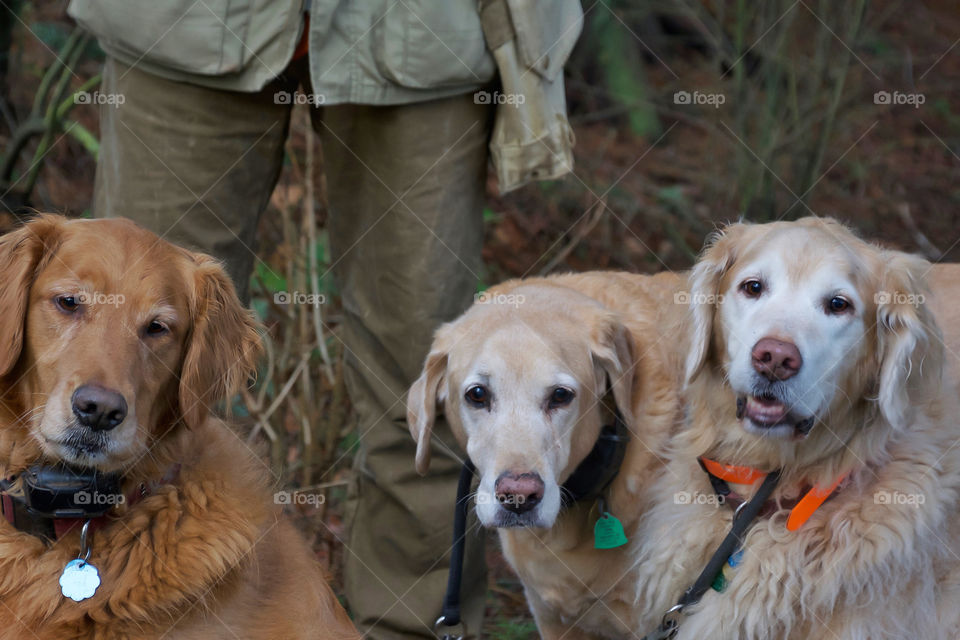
(98, 408)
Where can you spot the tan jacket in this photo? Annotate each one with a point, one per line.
(370, 52)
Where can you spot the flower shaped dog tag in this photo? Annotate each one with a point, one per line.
(79, 580)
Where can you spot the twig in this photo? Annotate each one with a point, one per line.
(928, 248)
(304, 359)
(323, 485)
(262, 423)
(582, 233)
(310, 222)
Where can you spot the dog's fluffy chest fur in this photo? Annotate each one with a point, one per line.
(880, 559)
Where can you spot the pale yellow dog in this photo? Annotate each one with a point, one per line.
(522, 377)
(818, 354)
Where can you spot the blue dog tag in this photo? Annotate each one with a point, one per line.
(79, 580)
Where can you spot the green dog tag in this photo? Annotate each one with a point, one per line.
(608, 532)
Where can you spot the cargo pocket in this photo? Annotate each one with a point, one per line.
(203, 38)
(425, 44)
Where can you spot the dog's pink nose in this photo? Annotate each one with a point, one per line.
(519, 492)
(776, 359)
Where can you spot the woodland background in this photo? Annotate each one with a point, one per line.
(802, 130)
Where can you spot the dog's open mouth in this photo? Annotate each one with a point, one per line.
(767, 413)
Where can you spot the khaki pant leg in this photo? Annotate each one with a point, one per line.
(193, 164)
(403, 268)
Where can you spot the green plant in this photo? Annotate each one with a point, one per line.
(48, 116)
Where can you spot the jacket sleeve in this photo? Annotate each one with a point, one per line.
(531, 41)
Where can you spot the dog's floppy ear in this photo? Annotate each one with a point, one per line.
(612, 350)
(22, 254)
(223, 346)
(910, 344)
(422, 402)
(704, 294)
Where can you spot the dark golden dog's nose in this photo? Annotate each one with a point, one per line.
(98, 408)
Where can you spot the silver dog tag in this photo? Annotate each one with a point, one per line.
(79, 580)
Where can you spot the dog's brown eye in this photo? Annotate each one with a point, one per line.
(478, 396)
(838, 305)
(67, 304)
(561, 396)
(156, 328)
(753, 288)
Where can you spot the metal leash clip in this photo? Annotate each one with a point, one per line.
(442, 620)
(670, 623)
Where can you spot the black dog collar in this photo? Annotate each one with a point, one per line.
(51, 500)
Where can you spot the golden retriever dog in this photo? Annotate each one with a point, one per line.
(522, 377)
(816, 354)
(115, 345)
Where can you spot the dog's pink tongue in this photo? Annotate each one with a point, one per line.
(765, 411)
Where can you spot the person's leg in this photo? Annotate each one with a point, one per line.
(406, 190)
(192, 164)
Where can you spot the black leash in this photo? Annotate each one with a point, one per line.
(450, 614)
(742, 520)
(588, 481)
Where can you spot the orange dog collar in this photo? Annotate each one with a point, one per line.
(802, 510)
(731, 472)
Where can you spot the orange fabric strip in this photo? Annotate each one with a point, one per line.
(733, 473)
(805, 508)
(809, 504)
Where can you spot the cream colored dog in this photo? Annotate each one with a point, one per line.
(521, 377)
(817, 354)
